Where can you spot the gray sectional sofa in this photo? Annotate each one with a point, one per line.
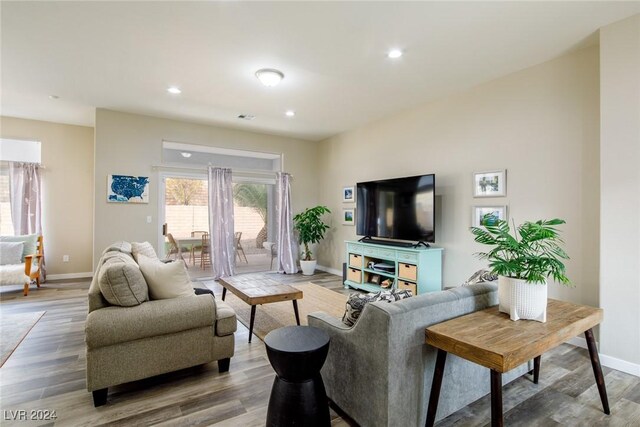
(148, 337)
(380, 370)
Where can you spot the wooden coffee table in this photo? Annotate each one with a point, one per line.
(489, 338)
(257, 289)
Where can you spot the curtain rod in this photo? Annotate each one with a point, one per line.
(40, 165)
(204, 169)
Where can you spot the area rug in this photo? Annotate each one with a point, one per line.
(278, 314)
(13, 329)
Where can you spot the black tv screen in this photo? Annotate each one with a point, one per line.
(399, 208)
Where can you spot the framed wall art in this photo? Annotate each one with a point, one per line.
(375, 279)
(349, 216)
(127, 189)
(480, 218)
(490, 184)
(348, 194)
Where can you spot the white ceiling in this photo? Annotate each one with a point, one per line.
(123, 56)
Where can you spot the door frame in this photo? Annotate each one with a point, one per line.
(162, 201)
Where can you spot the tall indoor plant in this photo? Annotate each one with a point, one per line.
(311, 229)
(523, 260)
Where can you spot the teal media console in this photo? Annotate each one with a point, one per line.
(418, 269)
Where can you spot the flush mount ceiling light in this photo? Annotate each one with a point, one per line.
(269, 76)
(174, 90)
(185, 154)
(290, 113)
(394, 53)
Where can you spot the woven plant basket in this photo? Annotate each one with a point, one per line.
(522, 300)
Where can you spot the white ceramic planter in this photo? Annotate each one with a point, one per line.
(308, 267)
(522, 300)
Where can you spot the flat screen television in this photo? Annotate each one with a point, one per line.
(399, 208)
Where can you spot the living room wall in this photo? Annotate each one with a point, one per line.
(67, 191)
(620, 195)
(541, 124)
(131, 144)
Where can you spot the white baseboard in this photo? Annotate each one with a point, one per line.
(69, 276)
(609, 361)
(620, 365)
(329, 270)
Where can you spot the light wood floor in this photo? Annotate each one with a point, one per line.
(47, 372)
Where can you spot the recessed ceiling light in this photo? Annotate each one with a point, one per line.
(185, 154)
(174, 90)
(54, 97)
(394, 53)
(290, 113)
(269, 76)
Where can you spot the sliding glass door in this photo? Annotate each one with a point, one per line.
(253, 209)
(184, 213)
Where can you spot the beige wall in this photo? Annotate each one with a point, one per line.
(67, 186)
(130, 144)
(620, 190)
(541, 124)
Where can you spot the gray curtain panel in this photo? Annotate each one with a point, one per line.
(287, 243)
(26, 207)
(221, 222)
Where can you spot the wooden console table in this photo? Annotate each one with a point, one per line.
(489, 338)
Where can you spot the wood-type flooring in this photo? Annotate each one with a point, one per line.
(47, 373)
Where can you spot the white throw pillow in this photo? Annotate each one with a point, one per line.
(143, 248)
(165, 280)
(11, 253)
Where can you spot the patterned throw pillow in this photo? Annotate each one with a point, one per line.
(481, 276)
(357, 301)
(355, 305)
(398, 295)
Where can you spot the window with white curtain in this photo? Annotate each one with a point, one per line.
(13, 150)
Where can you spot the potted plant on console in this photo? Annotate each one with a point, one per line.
(310, 229)
(523, 262)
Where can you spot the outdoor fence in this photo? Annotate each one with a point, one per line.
(182, 220)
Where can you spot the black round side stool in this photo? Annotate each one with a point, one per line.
(298, 397)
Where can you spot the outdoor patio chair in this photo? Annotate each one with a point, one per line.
(196, 249)
(239, 249)
(175, 249)
(205, 251)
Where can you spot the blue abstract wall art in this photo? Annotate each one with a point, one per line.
(128, 189)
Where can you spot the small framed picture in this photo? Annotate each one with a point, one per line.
(490, 184)
(375, 278)
(480, 213)
(348, 194)
(348, 216)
